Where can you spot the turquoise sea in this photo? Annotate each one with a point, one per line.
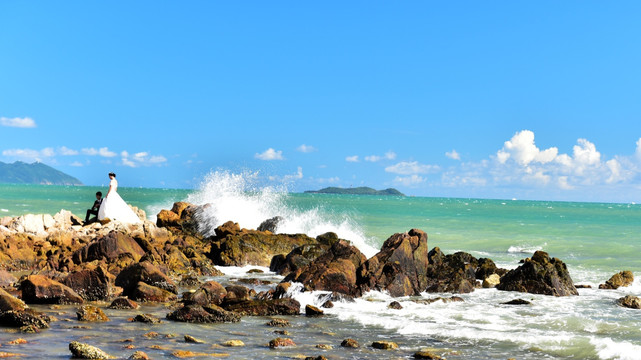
(596, 240)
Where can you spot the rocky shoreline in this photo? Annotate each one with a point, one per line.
(54, 260)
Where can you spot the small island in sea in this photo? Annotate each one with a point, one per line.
(363, 190)
(35, 173)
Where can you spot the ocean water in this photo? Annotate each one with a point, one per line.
(595, 240)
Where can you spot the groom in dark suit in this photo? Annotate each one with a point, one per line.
(94, 209)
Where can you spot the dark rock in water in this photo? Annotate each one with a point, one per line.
(622, 279)
(9, 302)
(334, 270)
(278, 323)
(123, 303)
(232, 246)
(486, 267)
(192, 340)
(426, 355)
(24, 318)
(189, 281)
(145, 272)
(517, 302)
(540, 275)
(238, 293)
(285, 306)
(91, 313)
(328, 304)
(311, 310)
(583, 286)
(38, 289)
(454, 273)
(91, 285)
(203, 314)
(384, 345)
(138, 355)
(281, 342)
(85, 351)
(350, 343)
(297, 259)
(111, 247)
(145, 292)
(6, 279)
(146, 318)
(319, 357)
(630, 301)
(400, 268)
(270, 224)
(395, 305)
(433, 300)
(255, 271)
(210, 292)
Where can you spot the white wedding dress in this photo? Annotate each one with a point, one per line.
(114, 208)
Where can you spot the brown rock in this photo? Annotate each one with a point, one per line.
(146, 272)
(426, 355)
(311, 310)
(350, 343)
(384, 345)
(145, 292)
(38, 289)
(281, 342)
(630, 301)
(193, 340)
(238, 293)
(6, 279)
(111, 248)
(453, 273)
(85, 351)
(9, 302)
(91, 285)
(201, 314)
(24, 319)
(395, 305)
(540, 275)
(138, 355)
(491, 281)
(146, 318)
(517, 302)
(272, 307)
(123, 303)
(622, 279)
(210, 292)
(91, 313)
(278, 323)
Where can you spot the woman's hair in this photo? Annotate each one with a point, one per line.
(112, 174)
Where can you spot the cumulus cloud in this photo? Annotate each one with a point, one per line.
(270, 154)
(29, 155)
(306, 148)
(411, 180)
(411, 167)
(76, 164)
(25, 122)
(103, 151)
(141, 159)
(521, 148)
(353, 158)
(390, 155)
(65, 151)
(638, 152)
(454, 155)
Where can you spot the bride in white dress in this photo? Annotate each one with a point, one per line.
(114, 208)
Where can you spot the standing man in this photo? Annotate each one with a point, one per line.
(94, 209)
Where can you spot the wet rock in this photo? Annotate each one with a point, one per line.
(38, 289)
(583, 286)
(189, 281)
(334, 270)
(426, 355)
(324, 346)
(145, 292)
(285, 306)
(145, 272)
(311, 310)
(232, 246)
(395, 305)
(433, 300)
(319, 357)
(281, 290)
(517, 302)
(210, 292)
(91, 313)
(255, 271)
(85, 351)
(238, 293)
(384, 345)
(233, 343)
(123, 303)
(350, 343)
(486, 267)
(281, 342)
(630, 301)
(328, 304)
(6, 279)
(138, 355)
(453, 273)
(540, 275)
(23, 319)
(193, 340)
(91, 285)
(9, 302)
(111, 247)
(147, 319)
(270, 224)
(400, 268)
(202, 314)
(622, 279)
(491, 281)
(278, 323)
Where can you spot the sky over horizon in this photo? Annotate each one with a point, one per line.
(465, 99)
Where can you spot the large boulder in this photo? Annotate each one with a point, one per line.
(285, 306)
(209, 293)
(85, 351)
(453, 273)
(111, 248)
(629, 301)
(622, 279)
(9, 302)
(540, 274)
(203, 314)
(146, 272)
(302, 256)
(334, 270)
(39, 289)
(91, 285)
(232, 246)
(146, 292)
(400, 268)
(22, 318)
(270, 224)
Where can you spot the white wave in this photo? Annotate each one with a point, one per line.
(4, 210)
(241, 271)
(620, 350)
(526, 249)
(238, 198)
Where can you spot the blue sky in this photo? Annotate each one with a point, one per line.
(500, 99)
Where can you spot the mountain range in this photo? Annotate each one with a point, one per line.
(36, 173)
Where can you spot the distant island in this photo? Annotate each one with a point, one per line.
(36, 173)
(356, 191)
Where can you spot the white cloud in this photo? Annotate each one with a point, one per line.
(297, 176)
(105, 152)
(638, 152)
(454, 155)
(48, 152)
(29, 155)
(89, 151)
(25, 122)
(76, 164)
(521, 148)
(270, 154)
(65, 151)
(411, 167)
(411, 180)
(141, 159)
(372, 158)
(306, 148)
(390, 155)
(331, 180)
(353, 158)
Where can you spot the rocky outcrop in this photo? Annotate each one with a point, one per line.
(203, 314)
(116, 246)
(38, 289)
(453, 273)
(622, 279)
(232, 246)
(91, 285)
(270, 224)
(400, 268)
(9, 302)
(210, 293)
(302, 256)
(148, 293)
(24, 318)
(145, 272)
(630, 301)
(540, 274)
(334, 270)
(272, 307)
